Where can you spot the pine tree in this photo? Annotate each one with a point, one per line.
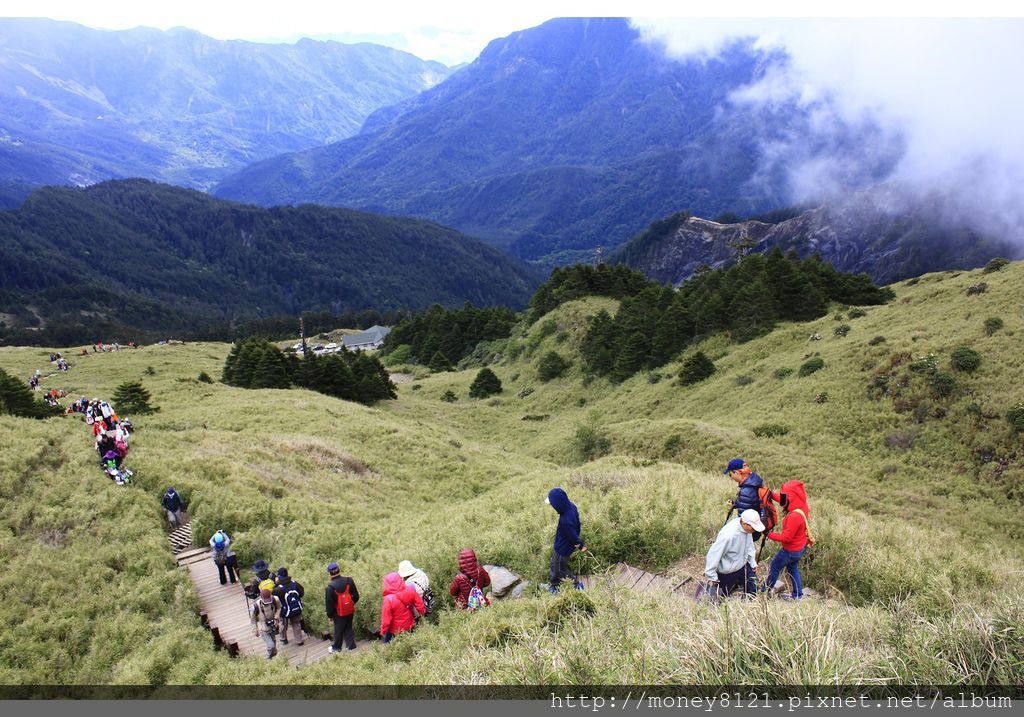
(632, 356)
(439, 363)
(696, 368)
(131, 398)
(270, 371)
(551, 366)
(16, 399)
(596, 346)
(485, 384)
(671, 334)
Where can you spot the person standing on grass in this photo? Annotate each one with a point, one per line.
(748, 497)
(471, 575)
(795, 536)
(397, 609)
(731, 562)
(340, 600)
(264, 617)
(290, 591)
(567, 539)
(419, 580)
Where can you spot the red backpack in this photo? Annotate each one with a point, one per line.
(344, 607)
(769, 516)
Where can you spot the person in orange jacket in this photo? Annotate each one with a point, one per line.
(794, 537)
(396, 611)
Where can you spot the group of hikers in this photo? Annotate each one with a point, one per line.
(111, 435)
(275, 600)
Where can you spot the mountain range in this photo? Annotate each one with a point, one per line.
(887, 231)
(556, 140)
(125, 257)
(83, 105)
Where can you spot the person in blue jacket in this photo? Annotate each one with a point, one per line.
(567, 539)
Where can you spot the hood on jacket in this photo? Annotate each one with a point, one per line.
(468, 563)
(393, 584)
(559, 500)
(796, 496)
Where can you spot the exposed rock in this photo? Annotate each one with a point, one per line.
(502, 580)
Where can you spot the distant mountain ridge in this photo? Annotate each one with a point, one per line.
(135, 256)
(885, 232)
(83, 105)
(556, 140)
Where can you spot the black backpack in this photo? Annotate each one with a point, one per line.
(291, 603)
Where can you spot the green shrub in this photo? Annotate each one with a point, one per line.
(551, 366)
(744, 380)
(673, 443)
(590, 441)
(1016, 417)
(204, 377)
(992, 325)
(810, 366)
(399, 355)
(653, 377)
(485, 384)
(996, 264)
(857, 313)
(781, 373)
(942, 384)
(149, 371)
(131, 398)
(877, 340)
(569, 605)
(770, 430)
(928, 363)
(964, 358)
(449, 396)
(841, 331)
(696, 368)
(439, 363)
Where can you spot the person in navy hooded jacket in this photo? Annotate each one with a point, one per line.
(567, 538)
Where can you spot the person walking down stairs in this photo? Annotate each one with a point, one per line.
(340, 600)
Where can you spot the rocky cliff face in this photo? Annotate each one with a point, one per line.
(884, 232)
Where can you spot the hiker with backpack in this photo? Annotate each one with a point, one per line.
(224, 559)
(794, 538)
(731, 563)
(340, 600)
(418, 579)
(468, 584)
(290, 591)
(264, 616)
(567, 539)
(752, 494)
(262, 572)
(173, 504)
(397, 609)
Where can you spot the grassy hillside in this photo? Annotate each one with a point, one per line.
(918, 551)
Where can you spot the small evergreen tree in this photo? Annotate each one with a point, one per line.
(551, 366)
(439, 362)
(131, 398)
(485, 384)
(16, 399)
(696, 368)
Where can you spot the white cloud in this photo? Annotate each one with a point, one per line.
(950, 88)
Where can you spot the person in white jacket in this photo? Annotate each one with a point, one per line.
(419, 580)
(731, 563)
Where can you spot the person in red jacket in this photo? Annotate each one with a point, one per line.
(794, 536)
(470, 574)
(396, 611)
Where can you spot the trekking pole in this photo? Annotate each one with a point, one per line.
(728, 515)
(764, 538)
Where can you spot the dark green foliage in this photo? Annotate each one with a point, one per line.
(965, 359)
(942, 384)
(439, 362)
(857, 313)
(597, 346)
(149, 371)
(992, 325)
(574, 282)
(770, 430)
(696, 368)
(16, 399)
(452, 333)
(204, 377)
(449, 396)
(996, 265)
(551, 366)
(781, 373)
(1016, 417)
(590, 441)
(810, 366)
(485, 384)
(352, 376)
(194, 266)
(131, 398)
(654, 377)
(876, 340)
(841, 331)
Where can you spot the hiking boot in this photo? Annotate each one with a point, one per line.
(578, 585)
(332, 650)
(284, 640)
(553, 590)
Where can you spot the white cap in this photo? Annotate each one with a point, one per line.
(752, 518)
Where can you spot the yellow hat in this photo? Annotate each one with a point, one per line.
(267, 585)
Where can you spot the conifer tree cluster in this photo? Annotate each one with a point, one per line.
(440, 338)
(16, 399)
(655, 323)
(352, 376)
(573, 282)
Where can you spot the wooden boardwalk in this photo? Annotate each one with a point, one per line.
(640, 581)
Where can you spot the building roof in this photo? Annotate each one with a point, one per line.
(373, 335)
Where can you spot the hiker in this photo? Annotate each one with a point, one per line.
(419, 580)
(262, 571)
(471, 575)
(397, 609)
(750, 485)
(731, 563)
(224, 558)
(265, 611)
(340, 600)
(173, 504)
(290, 591)
(794, 538)
(567, 539)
